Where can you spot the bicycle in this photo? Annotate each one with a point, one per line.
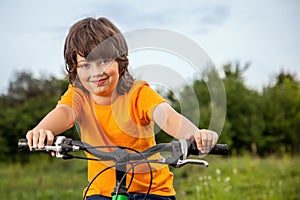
(179, 149)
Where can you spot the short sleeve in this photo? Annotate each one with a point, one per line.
(143, 102)
(73, 97)
(67, 97)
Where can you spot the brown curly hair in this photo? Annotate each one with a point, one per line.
(93, 39)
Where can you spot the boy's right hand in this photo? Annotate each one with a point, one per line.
(37, 138)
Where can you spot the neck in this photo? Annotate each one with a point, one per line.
(105, 100)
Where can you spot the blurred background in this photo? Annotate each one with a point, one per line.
(254, 46)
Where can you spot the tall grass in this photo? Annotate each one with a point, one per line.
(226, 178)
(241, 178)
(43, 178)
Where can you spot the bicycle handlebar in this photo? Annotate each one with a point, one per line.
(180, 150)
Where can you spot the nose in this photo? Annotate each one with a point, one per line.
(96, 70)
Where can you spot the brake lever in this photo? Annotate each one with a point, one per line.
(181, 163)
(46, 148)
(56, 148)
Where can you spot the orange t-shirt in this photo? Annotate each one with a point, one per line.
(126, 122)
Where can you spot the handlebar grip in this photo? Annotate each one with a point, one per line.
(23, 144)
(218, 149)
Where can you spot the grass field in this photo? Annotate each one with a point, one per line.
(226, 178)
(241, 178)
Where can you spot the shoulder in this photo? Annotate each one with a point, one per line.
(72, 94)
(139, 84)
(141, 91)
(138, 87)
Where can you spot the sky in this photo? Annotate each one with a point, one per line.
(264, 33)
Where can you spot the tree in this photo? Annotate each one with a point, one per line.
(260, 122)
(27, 101)
(281, 113)
(243, 110)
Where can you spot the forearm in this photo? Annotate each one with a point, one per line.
(174, 123)
(180, 127)
(183, 129)
(58, 120)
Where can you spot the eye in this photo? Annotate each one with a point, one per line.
(84, 65)
(104, 62)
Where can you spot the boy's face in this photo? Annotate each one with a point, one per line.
(99, 77)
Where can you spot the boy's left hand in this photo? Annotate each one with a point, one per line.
(205, 140)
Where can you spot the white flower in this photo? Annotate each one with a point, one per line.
(234, 170)
(218, 171)
(227, 179)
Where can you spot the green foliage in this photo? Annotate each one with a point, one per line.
(27, 101)
(243, 110)
(281, 114)
(260, 122)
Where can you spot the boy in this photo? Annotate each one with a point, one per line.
(111, 108)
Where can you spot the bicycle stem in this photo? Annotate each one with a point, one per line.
(120, 191)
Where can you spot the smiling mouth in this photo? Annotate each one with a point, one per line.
(101, 81)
